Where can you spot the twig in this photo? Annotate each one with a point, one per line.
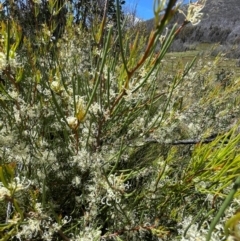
(188, 141)
(63, 236)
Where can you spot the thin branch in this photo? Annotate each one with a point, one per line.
(209, 139)
(63, 236)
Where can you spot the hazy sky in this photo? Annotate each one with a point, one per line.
(144, 7)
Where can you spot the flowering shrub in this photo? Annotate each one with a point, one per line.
(90, 131)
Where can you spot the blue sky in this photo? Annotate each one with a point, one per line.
(144, 7)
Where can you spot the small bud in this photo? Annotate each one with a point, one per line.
(72, 122)
(55, 86)
(80, 108)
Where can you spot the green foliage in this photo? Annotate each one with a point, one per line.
(90, 131)
(53, 15)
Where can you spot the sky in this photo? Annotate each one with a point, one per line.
(144, 8)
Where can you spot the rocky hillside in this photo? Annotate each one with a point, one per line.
(220, 24)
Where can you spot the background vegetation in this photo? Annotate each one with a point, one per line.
(106, 136)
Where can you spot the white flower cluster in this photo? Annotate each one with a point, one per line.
(13, 61)
(113, 192)
(88, 234)
(15, 186)
(193, 14)
(38, 223)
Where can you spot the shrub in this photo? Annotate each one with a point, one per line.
(93, 138)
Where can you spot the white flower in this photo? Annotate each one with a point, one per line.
(193, 14)
(95, 108)
(88, 234)
(72, 122)
(163, 37)
(19, 184)
(55, 86)
(76, 181)
(3, 61)
(4, 192)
